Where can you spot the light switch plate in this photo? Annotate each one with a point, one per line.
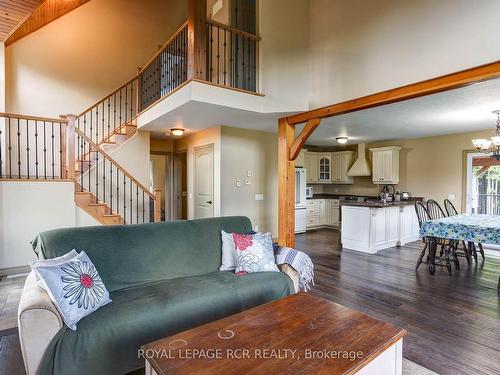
(248, 182)
(259, 197)
(238, 183)
(249, 173)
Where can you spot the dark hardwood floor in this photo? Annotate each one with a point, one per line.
(453, 322)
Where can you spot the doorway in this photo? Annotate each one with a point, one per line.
(483, 184)
(204, 181)
(161, 179)
(180, 186)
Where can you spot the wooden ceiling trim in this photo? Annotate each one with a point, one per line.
(13, 13)
(47, 12)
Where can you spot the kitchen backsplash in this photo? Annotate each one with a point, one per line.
(361, 186)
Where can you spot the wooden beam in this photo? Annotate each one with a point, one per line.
(308, 129)
(482, 170)
(48, 11)
(286, 185)
(197, 39)
(415, 90)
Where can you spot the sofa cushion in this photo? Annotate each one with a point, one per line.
(128, 255)
(106, 342)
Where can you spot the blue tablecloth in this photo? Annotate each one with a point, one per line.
(467, 227)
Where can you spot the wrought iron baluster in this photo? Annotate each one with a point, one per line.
(10, 150)
(27, 151)
(130, 194)
(218, 53)
(18, 148)
(137, 204)
(44, 150)
(111, 188)
(36, 149)
(143, 208)
(97, 176)
(124, 196)
(225, 56)
(53, 151)
(83, 144)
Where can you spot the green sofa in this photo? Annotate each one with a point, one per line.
(163, 278)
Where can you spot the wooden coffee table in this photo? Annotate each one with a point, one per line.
(298, 334)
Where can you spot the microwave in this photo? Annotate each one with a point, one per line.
(309, 192)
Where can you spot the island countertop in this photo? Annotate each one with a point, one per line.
(379, 204)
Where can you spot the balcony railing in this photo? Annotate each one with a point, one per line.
(487, 204)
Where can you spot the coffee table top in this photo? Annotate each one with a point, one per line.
(290, 335)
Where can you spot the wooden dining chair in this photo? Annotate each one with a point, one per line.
(447, 246)
(422, 215)
(469, 249)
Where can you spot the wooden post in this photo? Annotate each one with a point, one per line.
(157, 205)
(70, 147)
(197, 39)
(286, 184)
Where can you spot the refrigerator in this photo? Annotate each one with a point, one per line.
(300, 200)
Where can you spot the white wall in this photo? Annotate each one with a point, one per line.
(69, 64)
(188, 144)
(27, 208)
(245, 150)
(284, 73)
(359, 47)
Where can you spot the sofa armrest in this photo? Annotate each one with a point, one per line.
(38, 322)
(292, 274)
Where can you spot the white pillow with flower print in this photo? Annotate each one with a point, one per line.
(75, 288)
(47, 262)
(254, 253)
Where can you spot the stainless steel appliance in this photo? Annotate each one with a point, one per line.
(300, 200)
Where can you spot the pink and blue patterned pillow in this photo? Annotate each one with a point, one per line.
(254, 253)
(75, 288)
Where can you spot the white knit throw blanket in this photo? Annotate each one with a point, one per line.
(300, 262)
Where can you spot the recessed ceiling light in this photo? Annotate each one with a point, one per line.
(341, 140)
(177, 132)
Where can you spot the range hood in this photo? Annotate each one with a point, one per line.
(361, 166)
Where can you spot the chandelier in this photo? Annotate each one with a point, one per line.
(490, 146)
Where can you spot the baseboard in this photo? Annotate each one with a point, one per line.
(14, 270)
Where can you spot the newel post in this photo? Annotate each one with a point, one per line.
(197, 39)
(286, 184)
(157, 205)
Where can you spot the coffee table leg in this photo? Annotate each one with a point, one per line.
(432, 255)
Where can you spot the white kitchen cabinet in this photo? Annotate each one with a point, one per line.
(385, 161)
(313, 213)
(311, 163)
(325, 167)
(300, 161)
(341, 162)
(408, 225)
(322, 212)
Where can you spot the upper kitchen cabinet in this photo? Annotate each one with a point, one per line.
(385, 162)
(300, 161)
(311, 163)
(325, 167)
(341, 162)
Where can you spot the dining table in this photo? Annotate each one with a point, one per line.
(471, 228)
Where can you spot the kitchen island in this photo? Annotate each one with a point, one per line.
(371, 226)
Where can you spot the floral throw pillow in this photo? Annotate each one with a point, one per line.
(75, 288)
(254, 253)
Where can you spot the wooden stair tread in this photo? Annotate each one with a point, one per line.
(97, 204)
(111, 215)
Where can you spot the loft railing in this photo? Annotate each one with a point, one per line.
(32, 147)
(231, 57)
(487, 204)
(98, 173)
(166, 71)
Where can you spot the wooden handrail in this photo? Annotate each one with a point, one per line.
(163, 47)
(33, 118)
(117, 165)
(232, 29)
(107, 96)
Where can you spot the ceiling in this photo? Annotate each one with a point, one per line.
(13, 13)
(19, 18)
(456, 111)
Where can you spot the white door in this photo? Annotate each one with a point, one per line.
(204, 182)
